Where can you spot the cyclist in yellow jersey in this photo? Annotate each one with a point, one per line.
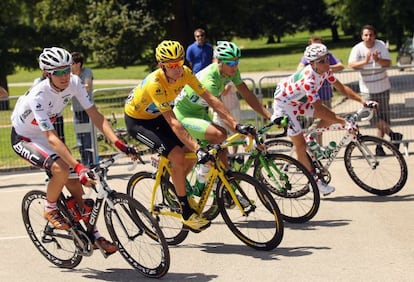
(149, 118)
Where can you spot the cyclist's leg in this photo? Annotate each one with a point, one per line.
(158, 135)
(76, 190)
(202, 128)
(39, 153)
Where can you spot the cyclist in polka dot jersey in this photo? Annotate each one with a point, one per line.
(298, 96)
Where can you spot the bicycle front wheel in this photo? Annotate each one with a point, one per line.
(140, 187)
(137, 235)
(279, 146)
(379, 175)
(57, 246)
(253, 216)
(294, 189)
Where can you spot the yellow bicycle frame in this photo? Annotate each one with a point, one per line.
(217, 170)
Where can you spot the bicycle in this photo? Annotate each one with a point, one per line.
(295, 190)
(378, 175)
(245, 204)
(132, 228)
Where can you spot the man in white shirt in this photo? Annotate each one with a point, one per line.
(371, 57)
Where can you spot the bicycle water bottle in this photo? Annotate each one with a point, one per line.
(316, 149)
(73, 207)
(201, 171)
(329, 149)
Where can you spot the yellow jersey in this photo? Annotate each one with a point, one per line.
(154, 95)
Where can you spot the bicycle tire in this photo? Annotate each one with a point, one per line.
(57, 246)
(137, 235)
(260, 226)
(140, 187)
(389, 174)
(286, 147)
(279, 146)
(295, 190)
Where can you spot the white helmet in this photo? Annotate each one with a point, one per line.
(315, 51)
(54, 57)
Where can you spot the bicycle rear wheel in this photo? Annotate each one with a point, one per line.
(140, 187)
(294, 189)
(260, 224)
(379, 175)
(57, 246)
(137, 235)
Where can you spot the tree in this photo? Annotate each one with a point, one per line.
(14, 47)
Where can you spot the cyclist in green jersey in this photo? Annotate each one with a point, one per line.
(192, 111)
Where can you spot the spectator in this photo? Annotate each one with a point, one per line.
(200, 53)
(326, 91)
(3, 93)
(84, 139)
(371, 57)
(58, 124)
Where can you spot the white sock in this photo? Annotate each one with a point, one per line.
(50, 206)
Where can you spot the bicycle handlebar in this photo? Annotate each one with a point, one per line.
(362, 111)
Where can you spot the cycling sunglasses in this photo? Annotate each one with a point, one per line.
(60, 72)
(174, 65)
(231, 63)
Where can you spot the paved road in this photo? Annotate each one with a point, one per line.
(354, 237)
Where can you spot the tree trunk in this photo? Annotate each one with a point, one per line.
(270, 39)
(334, 32)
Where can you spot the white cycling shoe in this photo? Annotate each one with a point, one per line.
(324, 188)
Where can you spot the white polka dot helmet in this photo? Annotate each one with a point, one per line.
(315, 51)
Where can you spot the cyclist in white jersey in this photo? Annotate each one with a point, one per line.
(34, 138)
(298, 96)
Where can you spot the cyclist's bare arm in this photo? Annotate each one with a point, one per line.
(220, 109)
(101, 123)
(252, 100)
(180, 131)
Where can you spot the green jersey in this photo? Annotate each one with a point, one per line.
(189, 103)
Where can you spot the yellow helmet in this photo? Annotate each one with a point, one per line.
(169, 51)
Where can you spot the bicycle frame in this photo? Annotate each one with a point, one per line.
(255, 153)
(345, 140)
(217, 171)
(103, 191)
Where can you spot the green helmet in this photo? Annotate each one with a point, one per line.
(226, 50)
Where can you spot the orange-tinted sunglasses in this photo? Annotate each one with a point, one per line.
(173, 65)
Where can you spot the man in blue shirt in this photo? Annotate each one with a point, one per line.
(200, 53)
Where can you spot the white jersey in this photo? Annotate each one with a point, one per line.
(36, 110)
(373, 78)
